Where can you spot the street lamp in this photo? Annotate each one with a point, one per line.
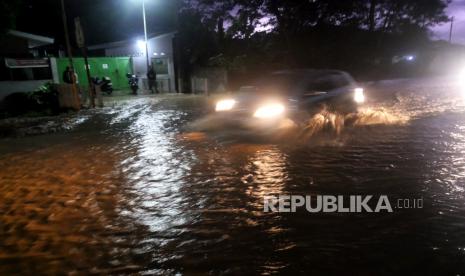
(145, 36)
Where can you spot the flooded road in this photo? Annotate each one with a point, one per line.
(135, 189)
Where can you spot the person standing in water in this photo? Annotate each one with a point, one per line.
(152, 78)
(70, 77)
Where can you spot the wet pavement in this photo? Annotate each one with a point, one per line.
(141, 188)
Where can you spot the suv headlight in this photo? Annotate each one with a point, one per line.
(359, 96)
(269, 111)
(225, 105)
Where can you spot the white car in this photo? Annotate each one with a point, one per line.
(293, 92)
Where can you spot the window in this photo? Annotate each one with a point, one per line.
(160, 65)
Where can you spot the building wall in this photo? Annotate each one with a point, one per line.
(160, 47)
(116, 68)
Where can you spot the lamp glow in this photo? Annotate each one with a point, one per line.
(141, 45)
(461, 75)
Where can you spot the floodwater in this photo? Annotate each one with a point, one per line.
(140, 188)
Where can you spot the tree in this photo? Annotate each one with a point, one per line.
(395, 15)
(8, 12)
(374, 15)
(246, 18)
(351, 34)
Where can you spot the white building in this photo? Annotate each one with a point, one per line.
(23, 63)
(160, 49)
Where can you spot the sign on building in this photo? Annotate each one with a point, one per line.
(79, 33)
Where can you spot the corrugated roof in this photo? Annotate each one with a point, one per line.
(34, 40)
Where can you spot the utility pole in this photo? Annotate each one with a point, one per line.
(177, 53)
(451, 28)
(80, 40)
(65, 26)
(68, 49)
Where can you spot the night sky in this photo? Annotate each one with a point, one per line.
(456, 9)
(102, 20)
(113, 20)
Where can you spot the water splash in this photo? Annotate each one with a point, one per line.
(326, 124)
(322, 121)
(377, 116)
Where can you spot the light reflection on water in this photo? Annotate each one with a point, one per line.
(268, 174)
(450, 148)
(155, 173)
(129, 192)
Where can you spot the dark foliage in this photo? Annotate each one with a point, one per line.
(8, 12)
(360, 36)
(42, 102)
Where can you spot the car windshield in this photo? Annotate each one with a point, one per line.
(284, 83)
(276, 83)
(327, 82)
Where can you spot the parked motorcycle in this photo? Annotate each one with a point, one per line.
(106, 86)
(133, 81)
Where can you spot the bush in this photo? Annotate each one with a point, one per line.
(46, 98)
(42, 102)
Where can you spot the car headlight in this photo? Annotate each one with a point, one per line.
(269, 110)
(225, 105)
(359, 96)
